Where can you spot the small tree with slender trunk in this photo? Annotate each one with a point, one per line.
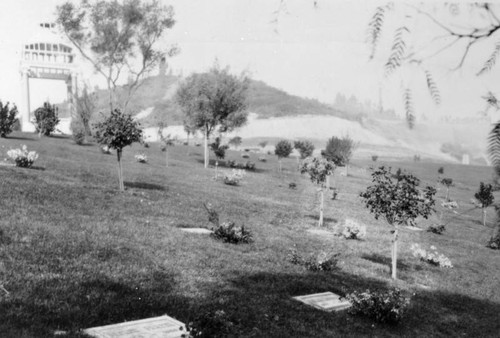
(398, 199)
(340, 150)
(282, 149)
(305, 148)
(447, 182)
(263, 144)
(118, 131)
(214, 100)
(318, 169)
(7, 119)
(485, 198)
(235, 141)
(166, 141)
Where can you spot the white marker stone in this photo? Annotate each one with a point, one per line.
(197, 230)
(326, 301)
(157, 327)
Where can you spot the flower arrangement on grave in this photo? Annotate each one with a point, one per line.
(141, 158)
(353, 230)
(322, 261)
(227, 232)
(234, 177)
(22, 157)
(431, 257)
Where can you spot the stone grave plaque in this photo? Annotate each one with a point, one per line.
(197, 230)
(326, 301)
(157, 327)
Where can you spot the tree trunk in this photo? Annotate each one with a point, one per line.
(166, 155)
(206, 148)
(279, 160)
(120, 173)
(216, 166)
(447, 194)
(322, 204)
(187, 141)
(110, 95)
(394, 253)
(346, 170)
(484, 217)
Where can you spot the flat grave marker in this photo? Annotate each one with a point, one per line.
(197, 230)
(156, 327)
(326, 301)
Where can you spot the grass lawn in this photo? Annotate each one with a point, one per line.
(76, 253)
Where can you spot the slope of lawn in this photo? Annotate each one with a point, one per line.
(76, 253)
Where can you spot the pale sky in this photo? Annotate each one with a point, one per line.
(310, 51)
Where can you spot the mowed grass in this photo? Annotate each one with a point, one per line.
(76, 253)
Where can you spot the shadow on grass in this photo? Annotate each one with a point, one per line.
(261, 303)
(21, 138)
(383, 260)
(325, 219)
(223, 165)
(144, 185)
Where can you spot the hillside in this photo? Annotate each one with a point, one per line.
(267, 102)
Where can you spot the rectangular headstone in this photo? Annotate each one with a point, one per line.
(326, 301)
(197, 230)
(157, 327)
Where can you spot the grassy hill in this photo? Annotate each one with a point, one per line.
(263, 100)
(76, 253)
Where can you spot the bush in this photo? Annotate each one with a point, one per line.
(292, 185)
(384, 307)
(218, 148)
(436, 228)
(305, 148)
(79, 136)
(231, 163)
(353, 230)
(283, 149)
(315, 262)
(262, 159)
(374, 158)
(250, 165)
(245, 156)
(441, 170)
(339, 150)
(22, 157)
(228, 232)
(210, 324)
(46, 119)
(8, 119)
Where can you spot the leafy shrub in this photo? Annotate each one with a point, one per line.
(245, 156)
(8, 119)
(322, 261)
(416, 158)
(228, 232)
(305, 148)
(433, 258)
(145, 144)
(231, 163)
(22, 157)
(283, 149)
(141, 158)
(494, 242)
(262, 159)
(374, 158)
(249, 165)
(384, 307)
(235, 141)
(78, 135)
(441, 171)
(353, 230)
(210, 324)
(436, 228)
(292, 185)
(46, 119)
(339, 150)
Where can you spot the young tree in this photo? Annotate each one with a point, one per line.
(214, 101)
(447, 182)
(318, 169)
(282, 149)
(398, 200)
(118, 38)
(263, 144)
(305, 148)
(340, 150)
(218, 148)
(166, 141)
(7, 119)
(118, 131)
(485, 198)
(235, 141)
(86, 104)
(46, 119)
